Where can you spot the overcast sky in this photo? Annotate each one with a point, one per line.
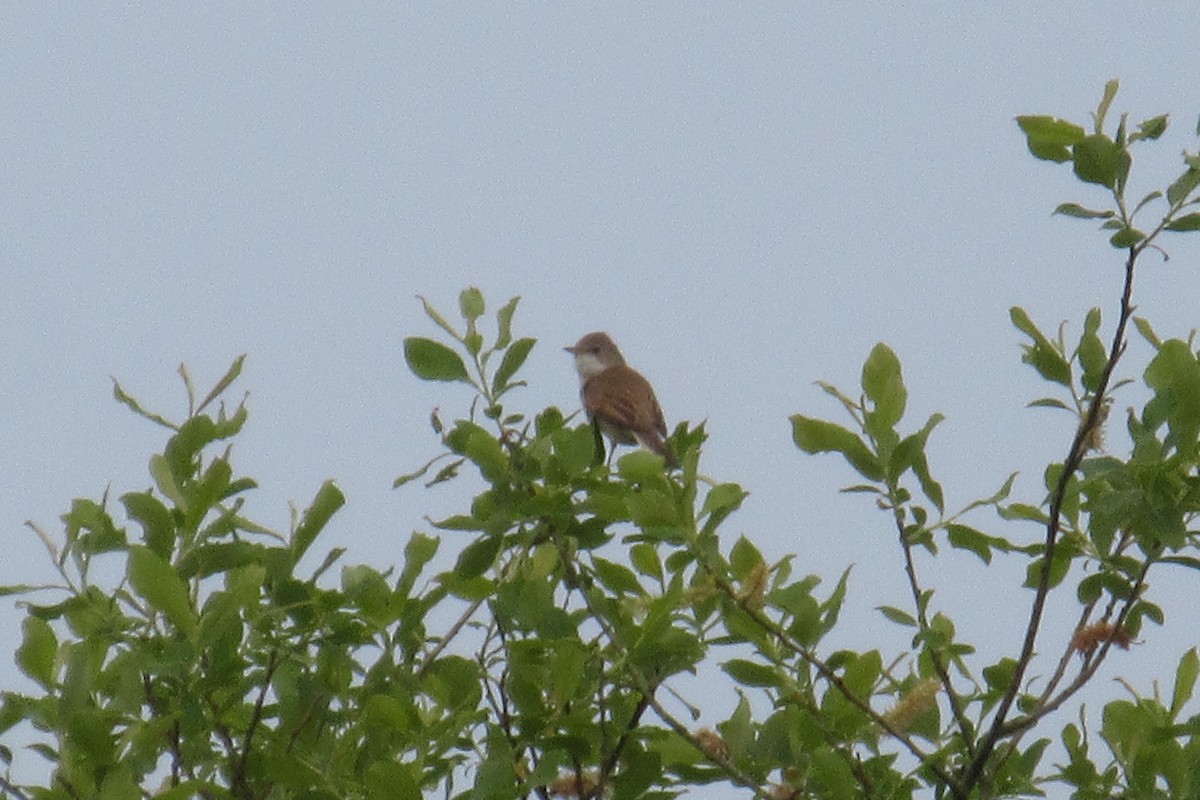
(746, 196)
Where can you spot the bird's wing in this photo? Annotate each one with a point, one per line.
(621, 396)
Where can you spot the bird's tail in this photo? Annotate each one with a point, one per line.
(656, 444)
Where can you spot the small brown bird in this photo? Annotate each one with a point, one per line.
(617, 398)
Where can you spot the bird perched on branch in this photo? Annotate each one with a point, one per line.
(617, 399)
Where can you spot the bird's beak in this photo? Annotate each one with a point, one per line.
(570, 350)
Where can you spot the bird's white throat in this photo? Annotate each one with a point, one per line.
(588, 365)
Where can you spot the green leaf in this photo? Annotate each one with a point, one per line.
(1047, 402)
(1091, 353)
(1183, 186)
(1174, 375)
(1091, 587)
(1147, 332)
(484, 449)
(513, 358)
(1041, 355)
(39, 646)
(412, 476)
(640, 769)
(967, 538)
(651, 508)
(453, 681)
(1078, 211)
(1110, 92)
(1146, 201)
(434, 361)
(1050, 129)
(459, 522)
(327, 502)
(90, 529)
(1022, 322)
(157, 582)
(883, 385)
(1150, 129)
(724, 497)
(642, 467)
(744, 557)
(1188, 222)
(184, 447)
(504, 323)
(218, 557)
(1100, 160)
(1048, 138)
(1126, 237)
(1022, 511)
(471, 304)
(618, 578)
(231, 374)
(574, 449)
(644, 557)
(1185, 681)
(477, 557)
(433, 314)
(473, 341)
(751, 673)
(417, 553)
(863, 672)
(899, 616)
(1058, 570)
(910, 454)
(818, 436)
(164, 479)
(129, 401)
(158, 526)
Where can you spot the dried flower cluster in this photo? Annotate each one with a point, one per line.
(1088, 638)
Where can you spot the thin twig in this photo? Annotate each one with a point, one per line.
(1090, 667)
(965, 729)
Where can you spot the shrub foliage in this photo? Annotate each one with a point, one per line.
(229, 660)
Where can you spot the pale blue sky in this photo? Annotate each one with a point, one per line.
(746, 196)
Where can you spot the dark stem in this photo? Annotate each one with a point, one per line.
(1090, 666)
(240, 779)
(610, 762)
(974, 769)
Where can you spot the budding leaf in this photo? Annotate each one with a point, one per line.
(884, 386)
(471, 304)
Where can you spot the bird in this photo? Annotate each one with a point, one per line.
(617, 398)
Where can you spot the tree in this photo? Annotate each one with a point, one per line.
(544, 662)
